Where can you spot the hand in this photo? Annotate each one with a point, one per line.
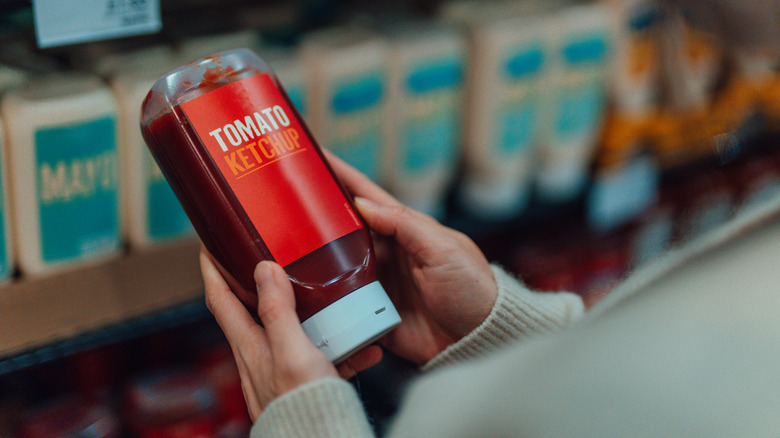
(438, 279)
(277, 357)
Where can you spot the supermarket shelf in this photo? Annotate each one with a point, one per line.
(54, 316)
(176, 316)
(6, 5)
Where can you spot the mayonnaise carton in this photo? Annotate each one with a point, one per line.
(582, 40)
(347, 75)
(426, 89)
(65, 182)
(507, 74)
(6, 253)
(150, 211)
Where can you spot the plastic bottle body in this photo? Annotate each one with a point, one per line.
(243, 225)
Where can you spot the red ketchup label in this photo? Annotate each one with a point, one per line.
(272, 167)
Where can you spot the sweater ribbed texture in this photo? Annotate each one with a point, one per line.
(517, 314)
(325, 408)
(331, 408)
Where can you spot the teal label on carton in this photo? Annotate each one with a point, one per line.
(358, 94)
(429, 142)
(518, 117)
(430, 130)
(5, 268)
(581, 97)
(164, 215)
(580, 110)
(589, 50)
(77, 184)
(525, 63)
(445, 74)
(356, 128)
(518, 127)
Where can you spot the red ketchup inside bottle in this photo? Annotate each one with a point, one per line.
(256, 186)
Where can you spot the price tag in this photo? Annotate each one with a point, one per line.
(60, 22)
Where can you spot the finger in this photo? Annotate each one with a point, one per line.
(360, 361)
(248, 387)
(232, 317)
(241, 330)
(357, 183)
(424, 239)
(276, 309)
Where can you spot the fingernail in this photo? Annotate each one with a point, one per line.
(264, 272)
(365, 203)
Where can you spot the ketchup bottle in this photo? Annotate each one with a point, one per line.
(256, 186)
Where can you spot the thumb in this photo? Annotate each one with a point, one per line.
(276, 309)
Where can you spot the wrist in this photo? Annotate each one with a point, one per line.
(327, 407)
(473, 306)
(517, 313)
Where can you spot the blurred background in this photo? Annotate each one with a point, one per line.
(572, 140)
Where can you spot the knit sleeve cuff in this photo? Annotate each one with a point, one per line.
(325, 408)
(517, 314)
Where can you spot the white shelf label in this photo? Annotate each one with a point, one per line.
(60, 22)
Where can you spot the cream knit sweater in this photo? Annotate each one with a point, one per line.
(332, 408)
(688, 346)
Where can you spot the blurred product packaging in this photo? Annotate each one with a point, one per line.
(427, 63)
(151, 214)
(70, 416)
(626, 176)
(288, 66)
(347, 74)
(62, 149)
(169, 403)
(11, 78)
(7, 263)
(196, 47)
(582, 41)
(506, 78)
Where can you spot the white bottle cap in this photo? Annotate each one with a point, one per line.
(352, 322)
